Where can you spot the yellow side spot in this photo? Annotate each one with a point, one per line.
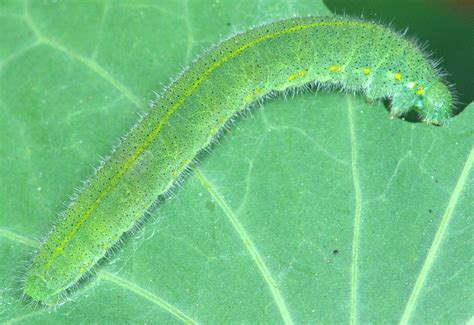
(366, 71)
(398, 76)
(292, 76)
(82, 270)
(258, 91)
(335, 68)
(302, 73)
(248, 99)
(420, 91)
(213, 132)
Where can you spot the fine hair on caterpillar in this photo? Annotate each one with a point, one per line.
(289, 55)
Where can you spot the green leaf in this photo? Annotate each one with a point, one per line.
(315, 207)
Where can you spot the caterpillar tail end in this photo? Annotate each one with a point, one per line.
(37, 291)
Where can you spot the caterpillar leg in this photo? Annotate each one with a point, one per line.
(402, 103)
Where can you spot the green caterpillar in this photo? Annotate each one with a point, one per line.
(354, 54)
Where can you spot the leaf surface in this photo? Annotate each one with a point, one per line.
(315, 207)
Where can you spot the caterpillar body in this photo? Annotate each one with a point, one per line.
(354, 54)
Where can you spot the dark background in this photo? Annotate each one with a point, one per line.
(446, 25)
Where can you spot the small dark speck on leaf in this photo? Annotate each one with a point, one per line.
(210, 206)
(335, 252)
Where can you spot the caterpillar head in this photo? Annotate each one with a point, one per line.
(435, 104)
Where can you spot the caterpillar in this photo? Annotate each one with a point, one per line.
(354, 54)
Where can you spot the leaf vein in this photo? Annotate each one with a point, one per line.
(147, 295)
(91, 64)
(249, 246)
(439, 236)
(357, 214)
